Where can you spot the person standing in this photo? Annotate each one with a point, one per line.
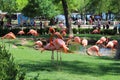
(40, 24)
(79, 22)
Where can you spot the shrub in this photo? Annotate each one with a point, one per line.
(15, 31)
(4, 31)
(84, 31)
(8, 69)
(75, 30)
(57, 29)
(108, 32)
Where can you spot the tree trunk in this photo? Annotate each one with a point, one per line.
(65, 7)
(117, 56)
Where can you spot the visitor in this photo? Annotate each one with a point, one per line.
(107, 24)
(40, 24)
(99, 23)
(79, 22)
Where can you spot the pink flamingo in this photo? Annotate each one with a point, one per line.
(63, 32)
(56, 44)
(96, 31)
(93, 49)
(112, 44)
(21, 32)
(38, 44)
(84, 42)
(69, 39)
(115, 43)
(51, 30)
(33, 32)
(9, 35)
(49, 47)
(60, 45)
(102, 41)
(77, 39)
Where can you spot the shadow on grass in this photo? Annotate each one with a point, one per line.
(38, 66)
(74, 67)
(111, 58)
(92, 69)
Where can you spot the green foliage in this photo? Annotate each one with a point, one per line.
(15, 31)
(8, 69)
(74, 66)
(4, 31)
(21, 4)
(8, 6)
(40, 8)
(107, 31)
(75, 30)
(46, 30)
(47, 8)
(84, 31)
(31, 9)
(57, 29)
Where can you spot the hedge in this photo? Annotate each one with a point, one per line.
(46, 30)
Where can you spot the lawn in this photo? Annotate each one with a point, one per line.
(75, 66)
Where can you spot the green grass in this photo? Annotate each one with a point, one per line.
(73, 67)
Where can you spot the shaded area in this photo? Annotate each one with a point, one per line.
(74, 67)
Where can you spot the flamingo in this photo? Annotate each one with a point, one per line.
(56, 44)
(77, 39)
(112, 44)
(21, 32)
(102, 41)
(63, 32)
(49, 47)
(38, 44)
(84, 42)
(33, 32)
(93, 49)
(96, 31)
(51, 30)
(115, 43)
(60, 45)
(69, 39)
(9, 35)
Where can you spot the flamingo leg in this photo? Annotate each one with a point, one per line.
(52, 57)
(57, 58)
(60, 59)
(84, 49)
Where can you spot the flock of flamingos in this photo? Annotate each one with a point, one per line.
(57, 42)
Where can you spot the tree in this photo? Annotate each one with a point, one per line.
(8, 69)
(47, 9)
(65, 8)
(10, 7)
(115, 6)
(21, 4)
(66, 13)
(31, 9)
(44, 8)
